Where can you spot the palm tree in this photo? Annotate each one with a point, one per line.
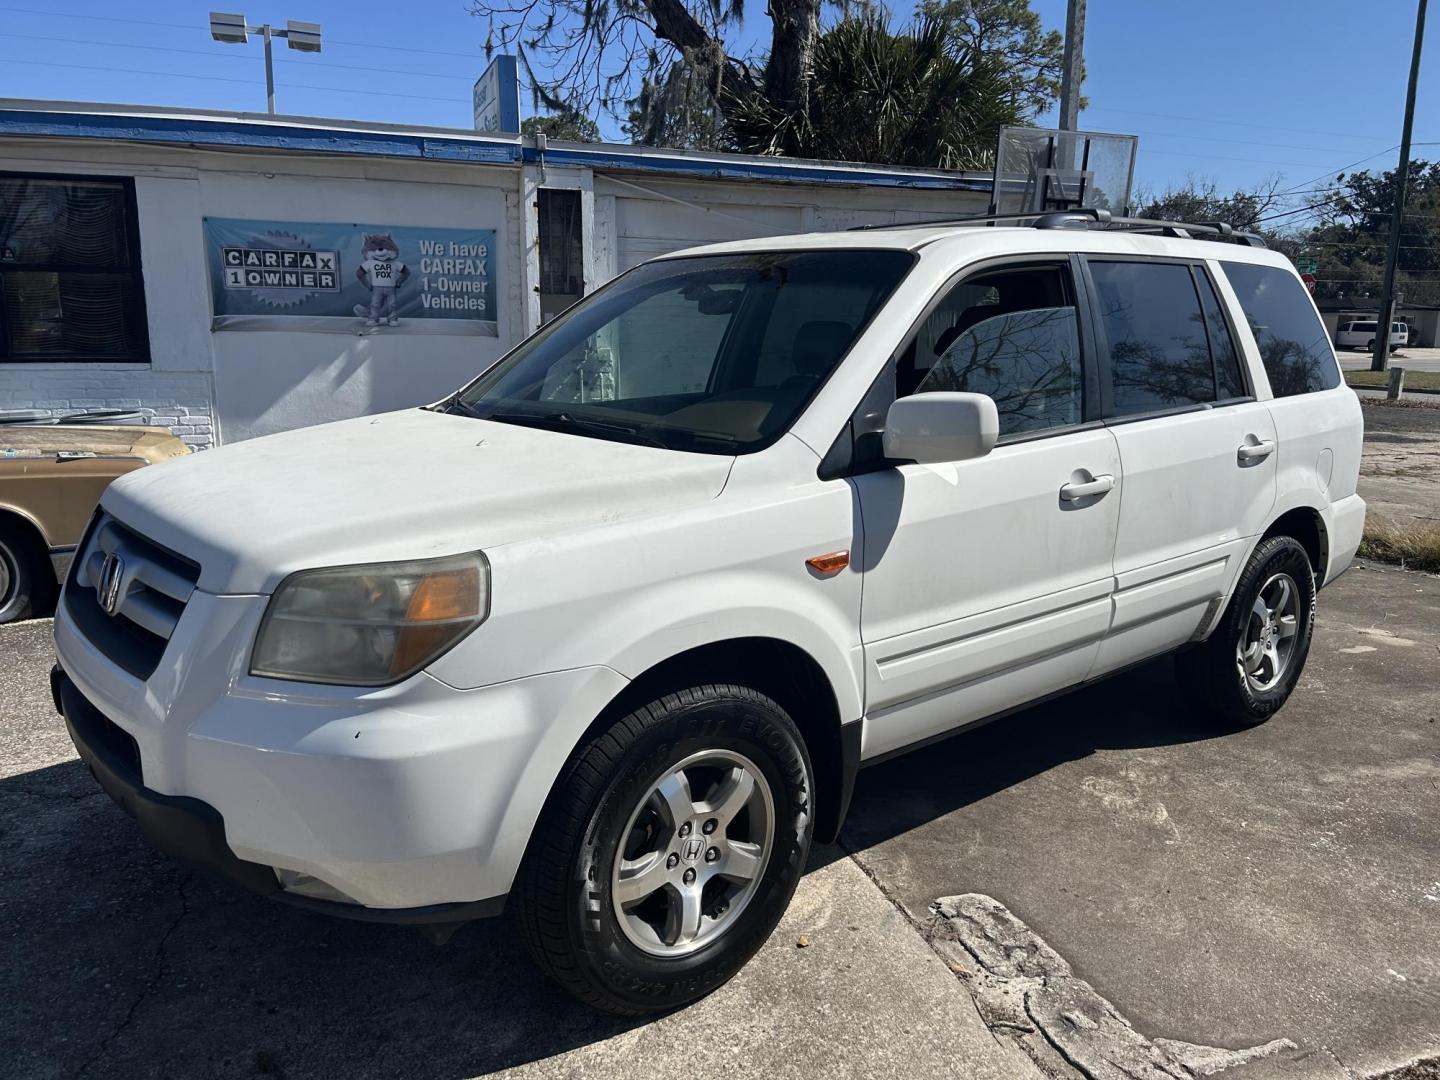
(909, 98)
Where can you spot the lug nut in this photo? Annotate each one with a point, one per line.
(690, 876)
(672, 862)
(684, 830)
(710, 826)
(713, 855)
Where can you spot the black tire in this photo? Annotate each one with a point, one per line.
(20, 584)
(1210, 673)
(562, 897)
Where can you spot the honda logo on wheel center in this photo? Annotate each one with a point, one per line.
(693, 849)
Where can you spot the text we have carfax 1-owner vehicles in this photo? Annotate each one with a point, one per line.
(603, 638)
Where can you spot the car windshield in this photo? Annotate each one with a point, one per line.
(716, 354)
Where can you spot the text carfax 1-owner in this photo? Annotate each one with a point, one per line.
(351, 278)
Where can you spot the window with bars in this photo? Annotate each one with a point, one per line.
(70, 283)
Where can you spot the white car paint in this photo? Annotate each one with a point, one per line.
(973, 587)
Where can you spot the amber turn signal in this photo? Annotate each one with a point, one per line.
(831, 563)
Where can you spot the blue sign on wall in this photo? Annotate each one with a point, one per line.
(347, 278)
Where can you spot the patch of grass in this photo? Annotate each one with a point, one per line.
(1414, 380)
(1415, 546)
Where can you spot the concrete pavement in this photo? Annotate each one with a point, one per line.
(1263, 903)
(1400, 466)
(1220, 889)
(119, 963)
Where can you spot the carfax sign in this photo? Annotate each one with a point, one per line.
(350, 278)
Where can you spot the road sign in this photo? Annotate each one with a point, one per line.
(1309, 280)
(1307, 264)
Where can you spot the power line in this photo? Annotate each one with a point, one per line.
(226, 79)
(1253, 161)
(1221, 138)
(193, 27)
(1227, 123)
(209, 54)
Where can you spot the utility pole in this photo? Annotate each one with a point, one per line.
(1073, 63)
(1381, 356)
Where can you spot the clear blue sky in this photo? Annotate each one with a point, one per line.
(1229, 90)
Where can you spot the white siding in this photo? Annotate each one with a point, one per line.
(222, 386)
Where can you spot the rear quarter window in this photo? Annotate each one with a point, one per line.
(1293, 344)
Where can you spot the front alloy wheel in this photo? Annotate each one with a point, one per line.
(693, 853)
(668, 850)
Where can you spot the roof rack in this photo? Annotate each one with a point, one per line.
(1087, 217)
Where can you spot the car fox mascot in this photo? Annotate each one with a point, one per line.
(382, 272)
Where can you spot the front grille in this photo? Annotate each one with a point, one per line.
(149, 585)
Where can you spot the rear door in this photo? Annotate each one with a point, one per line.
(1317, 417)
(1196, 449)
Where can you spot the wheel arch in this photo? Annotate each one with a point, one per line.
(31, 546)
(1306, 525)
(789, 675)
(25, 523)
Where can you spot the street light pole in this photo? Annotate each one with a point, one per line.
(1381, 356)
(269, 73)
(234, 30)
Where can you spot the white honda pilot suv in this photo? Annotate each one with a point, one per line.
(604, 637)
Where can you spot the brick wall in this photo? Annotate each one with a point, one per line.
(178, 400)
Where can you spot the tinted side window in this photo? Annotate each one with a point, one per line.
(1027, 361)
(1010, 334)
(1159, 354)
(1228, 381)
(1293, 344)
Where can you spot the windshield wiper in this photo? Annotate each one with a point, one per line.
(568, 422)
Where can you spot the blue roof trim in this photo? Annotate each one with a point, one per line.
(775, 169)
(238, 133)
(435, 147)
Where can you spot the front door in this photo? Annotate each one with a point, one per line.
(987, 582)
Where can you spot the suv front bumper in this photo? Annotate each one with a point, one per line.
(193, 831)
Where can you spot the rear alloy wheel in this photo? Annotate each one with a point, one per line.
(1246, 669)
(1267, 645)
(668, 850)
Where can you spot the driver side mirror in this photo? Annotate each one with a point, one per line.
(941, 426)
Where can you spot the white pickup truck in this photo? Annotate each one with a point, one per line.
(604, 637)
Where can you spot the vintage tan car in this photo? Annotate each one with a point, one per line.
(51, 477)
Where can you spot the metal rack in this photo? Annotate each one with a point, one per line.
(1094, 217)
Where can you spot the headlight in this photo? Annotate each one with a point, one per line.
(370, 625)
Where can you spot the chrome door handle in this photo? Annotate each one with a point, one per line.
(1099, 486)
(1249, 452)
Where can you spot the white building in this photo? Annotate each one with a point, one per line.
(219, 271)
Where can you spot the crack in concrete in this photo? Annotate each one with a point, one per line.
(1027, 993)
(157, 973)
(921, 929)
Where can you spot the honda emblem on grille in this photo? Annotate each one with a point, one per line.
(112, 572)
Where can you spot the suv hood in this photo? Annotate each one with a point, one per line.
(403, 485)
